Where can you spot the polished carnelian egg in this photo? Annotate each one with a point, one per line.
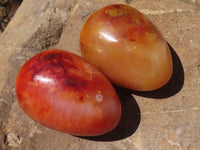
(127, 48)
(61, 91)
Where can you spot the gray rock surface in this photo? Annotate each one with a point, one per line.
(165, 119)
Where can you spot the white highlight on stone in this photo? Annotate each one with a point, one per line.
(108, 37)
(44, 79)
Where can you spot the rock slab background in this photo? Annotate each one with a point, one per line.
(164, 119)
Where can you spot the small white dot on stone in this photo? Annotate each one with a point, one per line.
(99, 98)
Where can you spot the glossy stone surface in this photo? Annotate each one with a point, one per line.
(61, 91)
(167, 124)
(127, 47)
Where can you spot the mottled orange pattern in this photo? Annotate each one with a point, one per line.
(127, 47)
(61, 91)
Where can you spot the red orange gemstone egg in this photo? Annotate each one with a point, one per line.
(62, 91)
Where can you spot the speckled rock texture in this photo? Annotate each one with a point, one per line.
(165, 119)
(194, 2)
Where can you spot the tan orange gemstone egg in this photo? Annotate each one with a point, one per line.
(127, 47)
